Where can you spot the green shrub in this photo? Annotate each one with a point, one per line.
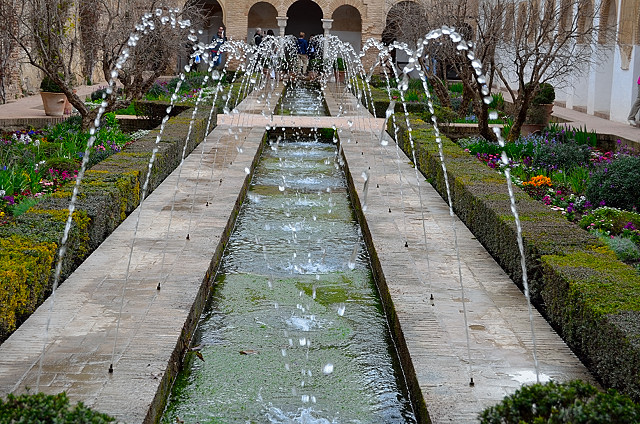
(497, 102)
(563, 156)
(62, 164)
(544, 95)
(456, 87)
(625, 249)
(47, 85)
(416, 84)
(572, 402)
(608, 219)
(516, 150)
(41, 408)
(616, 183)
(412, 95)
(25, 267)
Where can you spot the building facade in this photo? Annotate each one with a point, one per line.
(607, 89)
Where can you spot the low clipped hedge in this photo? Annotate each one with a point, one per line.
(379, 103)
(41, 408)
(574, 402)
(575, 280)
(109, 192)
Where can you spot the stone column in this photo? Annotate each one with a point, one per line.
(282, 24)
(326, 25)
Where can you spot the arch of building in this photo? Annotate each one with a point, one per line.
(351, 20)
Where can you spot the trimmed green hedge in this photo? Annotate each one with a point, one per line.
(590, 297)
(109, 192)
(41, 408)
(379, 103)
(574, 402)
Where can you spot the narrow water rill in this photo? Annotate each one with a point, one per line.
(295, 331)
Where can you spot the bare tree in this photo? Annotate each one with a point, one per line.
(521, 43)
(7, 47)
(411, 22)
(550, 42)
(54, 33)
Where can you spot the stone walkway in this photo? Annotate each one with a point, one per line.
(155, 324)
(500, 345)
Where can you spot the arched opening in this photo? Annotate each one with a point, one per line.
(305, 16)
(399, 28)
(347, 25)
(262, 15)
(209, 18)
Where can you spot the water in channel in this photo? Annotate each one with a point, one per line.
(295, 331)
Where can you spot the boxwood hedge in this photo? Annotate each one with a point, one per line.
(590, 297)
(109, 192)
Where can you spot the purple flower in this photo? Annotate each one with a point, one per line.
(602, 203)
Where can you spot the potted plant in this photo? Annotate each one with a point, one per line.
(339, 69)
(53, 99)
(539, 111)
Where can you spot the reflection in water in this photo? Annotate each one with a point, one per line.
(295, 331)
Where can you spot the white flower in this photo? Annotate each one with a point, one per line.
(2, 193)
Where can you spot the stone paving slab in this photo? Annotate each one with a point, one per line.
(500, 338)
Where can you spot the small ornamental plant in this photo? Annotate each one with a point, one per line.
(537, 187)
(41, 408)
(573, 402)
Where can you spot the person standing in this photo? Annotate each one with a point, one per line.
(635, 108)
(257, 37)
(303, 53)
(218, 40)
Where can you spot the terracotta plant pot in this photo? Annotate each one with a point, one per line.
(68, 107)
(53, 103)
(527, 129)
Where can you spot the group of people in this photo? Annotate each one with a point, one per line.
(305, 50)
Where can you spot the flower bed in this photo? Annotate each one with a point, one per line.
(109, 192)
(576, 281)
(562, 169)
(35, 163)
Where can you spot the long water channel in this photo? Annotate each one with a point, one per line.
(295, 330)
